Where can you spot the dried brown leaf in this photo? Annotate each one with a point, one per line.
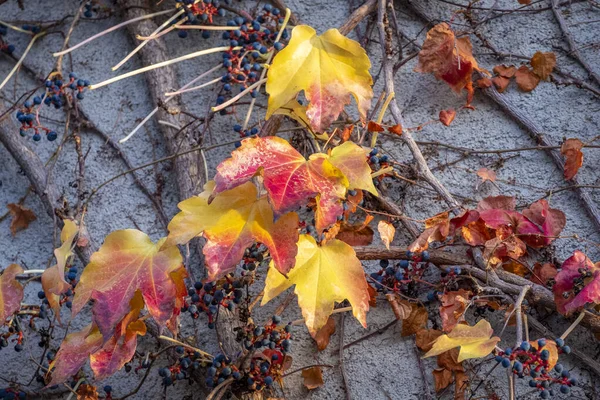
(543, 64)
(415, 321)
(425, 338)
(571, 149)
(442, 378)
(21, 217)
(386, 232)
(526, 79)
(447, 116)
(322, 336)
(313, 377)
(501, 83)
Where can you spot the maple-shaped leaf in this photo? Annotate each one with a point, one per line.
(449, 58)
(322, 276)
(129, 261)
(120, 348)
(233, 221)
(21, 217)
(474, 341)
(53, 278)
(497, 203)
(577, 284)
(351, 159)
(550, 220)
(513, 222)
(328, 68)
(437, 229)
(290, 179)
(74, 352)
(571, 149)
(11, 292)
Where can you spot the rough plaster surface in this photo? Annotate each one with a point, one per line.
(385, 366)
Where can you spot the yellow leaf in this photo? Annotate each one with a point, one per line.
(328, 68)
(474, 341)
(323, 275)
(351, 159)
(386, 232)
(53, 278)
(231, 223)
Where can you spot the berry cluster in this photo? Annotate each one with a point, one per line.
(4, 46)
(396, 277)
(270, 336)
(376, 161)
(12, 394)
(221, 369)
(57, 93)
(238, 128)
(200, 13)
(189, 361)
(257, 38)
(89, 9)
(13, 330)
(35, 29)
(207, 297)
(526, 360)
(254, 256)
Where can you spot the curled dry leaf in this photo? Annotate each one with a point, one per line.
(87, 392)
(543, 273)
(322, 336)
(453, 308)
(386, 232)
(416, 320)
(442, 378)
(396, 129)
(474, 341)
(355, 234)
(373, 126)
(402, 309)
(501, 83)
(328, 68)
(437, 229)
(11, 292)
(484, 83)
(577, 284)
(447, 116)
(21, 217)
(543, 64)
(313, 377)
(486, 174)
(526, 79)
(449, 58)
(320, 282)
(571, 150)
(515, 267)
(505, 71)
(425, 338)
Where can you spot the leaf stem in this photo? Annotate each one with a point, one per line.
(168, 339)
(20, 61)
(238, 96)
(573, 325)
(181, 91)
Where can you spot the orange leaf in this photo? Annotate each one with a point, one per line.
(425, 338)
(501, 83)
(442, 378)
(515, 267)
(87, 392)
(397, 129)
(11, 292)
(453, 307)
(526, 79)
(504, 71)
(373, 126)
(436, 229)
(21, 217)
(313, 377)
(129, 261)
(347, 133)
(401, 308)
(448, 58)
(486, 174)
(571, 149)
(415, 321)
(386, 232)
(355, 234)
(447, 116)
(484, 83)
(543, 64)
(322, 336)
(552, 349)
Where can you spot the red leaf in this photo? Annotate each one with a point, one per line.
(497, 202)
(542, 273)
(437, 229)
(373, 126)
(551, 220)
(447, 116)
(397, 129)
(289, 178)
(454, 305)
(571, 149)
(11, 292)
(577, 284)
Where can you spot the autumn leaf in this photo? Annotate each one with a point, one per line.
(484, 83)
(447, 116)
(355, 234)
(474, 341)
(486, 174)
(505, 71)
(322, 276)
(21, 217)
(290, 180)
(129, 261)
(402, 308)
(53, 278)
(501, 83)
(120, 348)
(87, 392)
(373, 126)
(396, 129)
(526, 79)
(351, 159)
(497, 203)
(577, 284)
(11, 292)
(442, 378)
(550, 220)
(542, 273)
(543, 64)
(328, 68)
(437, 229)
(416, 321)
(552, 349)
(233, 221)
(425, 338)
(386, 232)
(74, 352)
(454, 305)
(571, 149)
(515, 267)
(322, 336)
(313, 377)
(448, 58)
